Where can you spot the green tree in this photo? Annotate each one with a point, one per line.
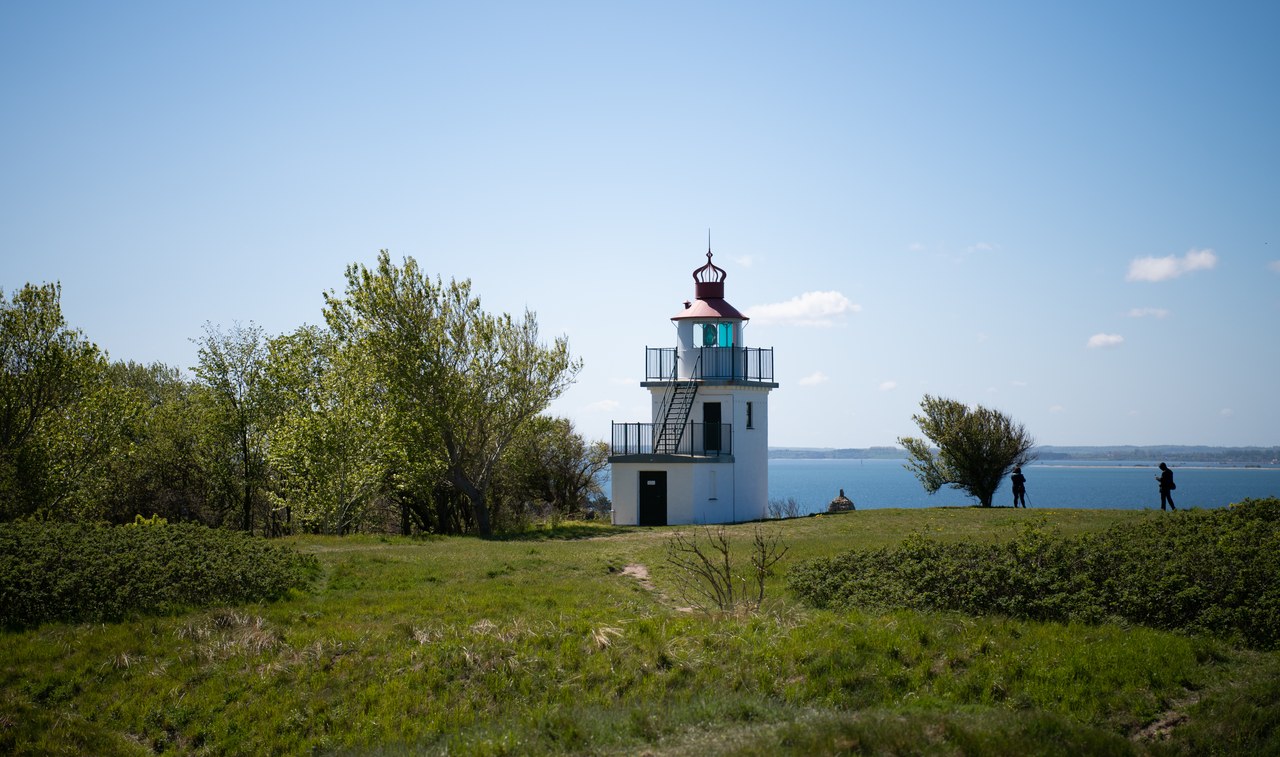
(461, 382)
(46, 368)
(170, 462)
(328, 446)
(976, 447)
(232, 366)
(85, 440)
(551, 468)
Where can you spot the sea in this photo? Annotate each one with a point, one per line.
(1110, 484)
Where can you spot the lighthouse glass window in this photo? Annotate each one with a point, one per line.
(717, 334)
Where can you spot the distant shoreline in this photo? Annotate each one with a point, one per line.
(1184, 456)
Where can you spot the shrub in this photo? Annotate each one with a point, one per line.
(82, 572)
(705, 573)
(1215, 571)
(784, 508)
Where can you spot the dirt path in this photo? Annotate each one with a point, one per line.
(641, 575)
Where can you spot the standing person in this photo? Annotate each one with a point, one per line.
(1166, 485)
(1019, 487)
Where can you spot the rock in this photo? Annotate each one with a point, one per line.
(840, 504)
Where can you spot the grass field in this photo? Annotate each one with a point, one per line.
(555, 642)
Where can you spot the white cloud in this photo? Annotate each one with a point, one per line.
(1148, 312)
(916, 247)
(746, 261)
(1274, 265)
(1228, 411)
(1104, 340)
(809, 309)
(814, 379)
(1171, 266)
(1018, 383)
(980, 247)
(1056, 408)
(602, 406)
(888, 386)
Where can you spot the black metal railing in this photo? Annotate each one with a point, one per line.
(716, 363)
(659, 363)
(698, 440)
(677, 402)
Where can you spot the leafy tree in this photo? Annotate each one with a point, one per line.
(232, 367)
(170, 463)
(461, 382)
(328, 447)
(551, 467)
(976, 447)
(46, 367)
(85, 440)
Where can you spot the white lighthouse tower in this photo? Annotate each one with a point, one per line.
(704, 455)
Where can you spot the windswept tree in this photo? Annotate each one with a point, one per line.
(976, 447)
(460, 380)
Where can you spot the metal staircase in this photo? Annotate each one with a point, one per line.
(676, 407)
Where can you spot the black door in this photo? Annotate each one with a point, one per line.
(711, 427)
(653, 498)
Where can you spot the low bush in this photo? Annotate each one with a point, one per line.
(82, 572)
(1215, 571)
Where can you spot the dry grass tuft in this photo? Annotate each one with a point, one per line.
(604, 636)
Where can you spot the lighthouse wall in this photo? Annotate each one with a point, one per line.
(731, 489)
(751, 453)
(697, 492)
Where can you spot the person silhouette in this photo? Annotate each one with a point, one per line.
(1166, 486)
(1019, 487)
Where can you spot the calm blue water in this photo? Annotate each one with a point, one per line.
(886, 483)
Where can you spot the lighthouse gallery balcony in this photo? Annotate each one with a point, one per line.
(713, 440)
(727, 364)
(712, 365)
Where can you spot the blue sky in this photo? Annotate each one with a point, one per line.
(1067, 211)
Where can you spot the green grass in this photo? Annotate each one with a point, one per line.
(541, 644)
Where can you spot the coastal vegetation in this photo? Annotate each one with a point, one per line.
(1206, 571)
(412, 410)
(573, 639)
(93, 573)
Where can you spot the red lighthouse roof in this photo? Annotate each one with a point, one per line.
(708, 290)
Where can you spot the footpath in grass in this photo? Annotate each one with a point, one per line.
(543, 644)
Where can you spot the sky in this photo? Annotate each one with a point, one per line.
(1069, 212)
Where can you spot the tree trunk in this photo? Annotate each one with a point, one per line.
(247, 472)
(479, 506)
(480, 511)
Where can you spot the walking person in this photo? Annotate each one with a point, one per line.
(1019, 487)
(1166, 486)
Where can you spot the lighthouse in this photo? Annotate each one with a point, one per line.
(703, 456)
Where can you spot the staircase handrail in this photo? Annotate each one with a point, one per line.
(669, 397)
